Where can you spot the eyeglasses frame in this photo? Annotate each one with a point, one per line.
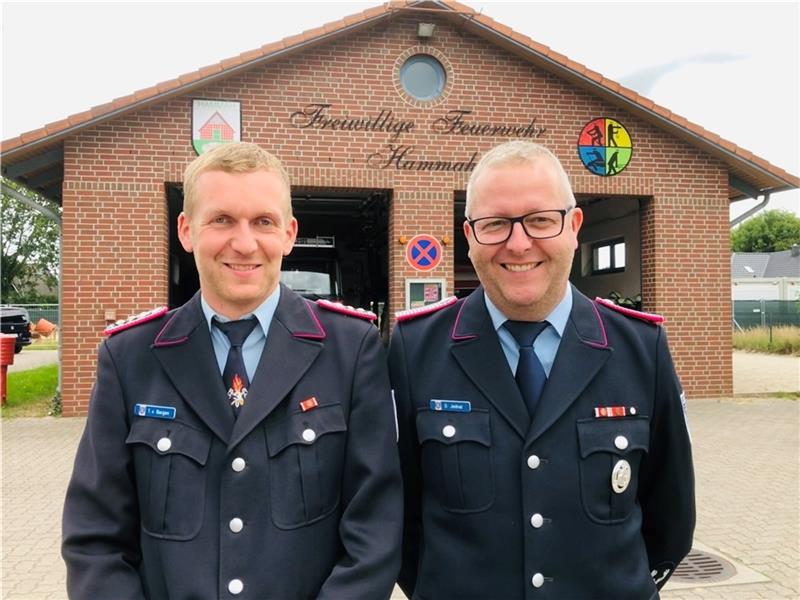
(521, 220)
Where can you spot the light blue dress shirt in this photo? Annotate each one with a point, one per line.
(254, 344)
(546, 345)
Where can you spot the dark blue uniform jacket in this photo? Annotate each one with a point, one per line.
(502, 507)
(321, 512)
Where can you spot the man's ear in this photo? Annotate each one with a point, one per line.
(184, 233)
(291, 236)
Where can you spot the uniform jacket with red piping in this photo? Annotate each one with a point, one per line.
(320, 512)
(499, 506)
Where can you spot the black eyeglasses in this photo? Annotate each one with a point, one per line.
(539, 225)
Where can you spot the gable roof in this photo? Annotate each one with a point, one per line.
(35, 158)
(785, 263)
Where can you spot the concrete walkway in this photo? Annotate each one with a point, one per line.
(746, 461)
(30, 359)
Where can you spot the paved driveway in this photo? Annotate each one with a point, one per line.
(30, 359)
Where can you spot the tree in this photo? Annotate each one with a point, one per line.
(30, 249)
(771, 231)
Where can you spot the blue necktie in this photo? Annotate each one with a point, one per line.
(235, 376)
(530, 373)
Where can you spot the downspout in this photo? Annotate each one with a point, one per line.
(752, 211)
(748, 191)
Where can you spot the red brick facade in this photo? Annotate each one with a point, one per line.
(115, 237)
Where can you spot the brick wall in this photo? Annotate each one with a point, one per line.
(115, 220)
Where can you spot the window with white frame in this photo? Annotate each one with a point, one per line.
(608, 256)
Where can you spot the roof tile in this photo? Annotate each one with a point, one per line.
(57, 126)
(32, 136)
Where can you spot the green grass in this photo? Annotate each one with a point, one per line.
(30, 393)
(42, 344)
(783, 339)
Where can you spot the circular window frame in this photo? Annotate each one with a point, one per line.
(448, 74)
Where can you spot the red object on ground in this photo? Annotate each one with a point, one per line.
(7, 342)
(44, 327)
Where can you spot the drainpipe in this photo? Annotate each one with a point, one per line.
(752, 211)
(751, 192)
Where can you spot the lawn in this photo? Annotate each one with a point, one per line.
(30, 393)
(784, 339)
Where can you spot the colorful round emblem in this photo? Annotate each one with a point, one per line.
(605, 147)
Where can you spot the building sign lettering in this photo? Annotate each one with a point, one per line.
(454, 122)
(315, 116)
(400, 156)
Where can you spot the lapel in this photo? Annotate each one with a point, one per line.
(183, 347)
(294, 342)
(476, 348)
(582, 353)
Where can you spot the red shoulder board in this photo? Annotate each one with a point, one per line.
(413, 313)
(636, 314)
(133, 321)
(347, 310)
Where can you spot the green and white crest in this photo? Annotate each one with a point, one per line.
(215, 122)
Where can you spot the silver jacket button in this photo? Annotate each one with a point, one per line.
(238, 464)
(309, 435)
(235, 586)
(164, 444)
(537, 580)
(533, 462)
(236, 525)
(621, 442)
(448, 431)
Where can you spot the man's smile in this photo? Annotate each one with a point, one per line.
(520, 268)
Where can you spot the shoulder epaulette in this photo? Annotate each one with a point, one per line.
(413, 313)
(636, 314)
(351, 311)
(134, 320)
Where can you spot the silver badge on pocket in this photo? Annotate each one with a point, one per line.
(620, 476)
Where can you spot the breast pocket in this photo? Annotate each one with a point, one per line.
(456, 458)
(170, 462)
(306, 458)
(611, 451)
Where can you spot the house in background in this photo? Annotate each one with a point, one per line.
(766, 275)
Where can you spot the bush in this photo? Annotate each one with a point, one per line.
(783, 339)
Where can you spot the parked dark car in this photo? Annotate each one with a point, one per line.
(16, 320)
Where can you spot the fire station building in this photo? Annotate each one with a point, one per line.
(380, 118)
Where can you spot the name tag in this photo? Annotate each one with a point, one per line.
(153, 411)
(450, 405)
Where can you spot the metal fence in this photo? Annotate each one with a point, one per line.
(765, 313)
(42, 311)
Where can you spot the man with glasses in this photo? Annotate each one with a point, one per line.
(543, 443)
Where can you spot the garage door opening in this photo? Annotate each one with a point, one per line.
(341, 254)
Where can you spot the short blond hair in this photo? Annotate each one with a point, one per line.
(235, 157)
(514, 153)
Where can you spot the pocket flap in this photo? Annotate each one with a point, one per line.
(454, 427)
(304, 427)
(604, 435)
(182, 439)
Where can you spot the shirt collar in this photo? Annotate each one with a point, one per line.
(264, 312)
(557, 317)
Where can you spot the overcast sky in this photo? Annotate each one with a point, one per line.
(730, 67)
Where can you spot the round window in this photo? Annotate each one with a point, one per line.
(423, 77)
